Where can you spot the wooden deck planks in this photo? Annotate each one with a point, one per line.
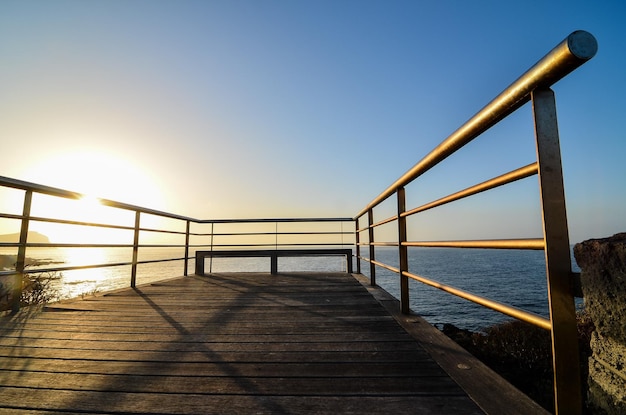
(238, 343)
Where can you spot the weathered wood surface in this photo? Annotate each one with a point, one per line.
(237, 343)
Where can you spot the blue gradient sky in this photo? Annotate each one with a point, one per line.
(218, 109)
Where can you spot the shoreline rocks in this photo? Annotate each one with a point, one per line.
(603, 280)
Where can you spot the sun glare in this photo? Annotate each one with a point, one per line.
(100, 174)
(89, 201)
(84, 214)
(96, 175)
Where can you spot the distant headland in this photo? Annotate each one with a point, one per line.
(34, 237)
(7, 261)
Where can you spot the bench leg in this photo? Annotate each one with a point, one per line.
(199, 265)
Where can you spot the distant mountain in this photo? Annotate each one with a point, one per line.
(34, 237)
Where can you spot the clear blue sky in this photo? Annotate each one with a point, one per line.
(305, 108)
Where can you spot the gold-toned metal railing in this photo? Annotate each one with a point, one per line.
(26, 219)
(300, 232)
(534, 86)
(275, 237)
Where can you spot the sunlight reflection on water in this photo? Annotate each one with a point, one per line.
(516, 278)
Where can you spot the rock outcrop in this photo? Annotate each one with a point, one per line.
(603, 278)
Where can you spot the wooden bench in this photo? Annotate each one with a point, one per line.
(273, 254)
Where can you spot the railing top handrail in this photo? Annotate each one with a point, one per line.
(573, 51)
(275, 220)
(54, 191)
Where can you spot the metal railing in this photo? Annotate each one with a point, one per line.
(296, 232)
(534, 86)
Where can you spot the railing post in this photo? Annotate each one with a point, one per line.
(566, 363)
(187, 247)
(18, 281)
(370, 231)
(403, 252)
(357, 240)
(211, 258)
(133, 272)
(341, 233)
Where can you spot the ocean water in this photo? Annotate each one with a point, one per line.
(513, 277)
(74, 283)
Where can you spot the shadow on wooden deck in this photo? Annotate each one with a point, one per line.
(241, 343)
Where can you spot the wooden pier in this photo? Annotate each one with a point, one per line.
(241, 343)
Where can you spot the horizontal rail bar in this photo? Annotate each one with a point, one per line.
(9, 244)
(11, 216)
(75, 267)
(514, 312)
(161, 246)
(276, 252)
(39, 188)
(394, 244)
(381, 243)
(277, 220)
(93, 266)
(154, 261)
(384, 221)
(74, 245)
(573, 51)
(77, 223)
(54, 191)
(77, 245)
(506, 178)
(94, 224)
(281, 244)
(531, 244)
(382, 265)
(511, 311)
(280, 233)
(162, 231)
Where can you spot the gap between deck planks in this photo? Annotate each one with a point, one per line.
(227, 343)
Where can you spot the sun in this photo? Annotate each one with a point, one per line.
(96, 175)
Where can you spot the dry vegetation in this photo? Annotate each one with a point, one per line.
(522, 354)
